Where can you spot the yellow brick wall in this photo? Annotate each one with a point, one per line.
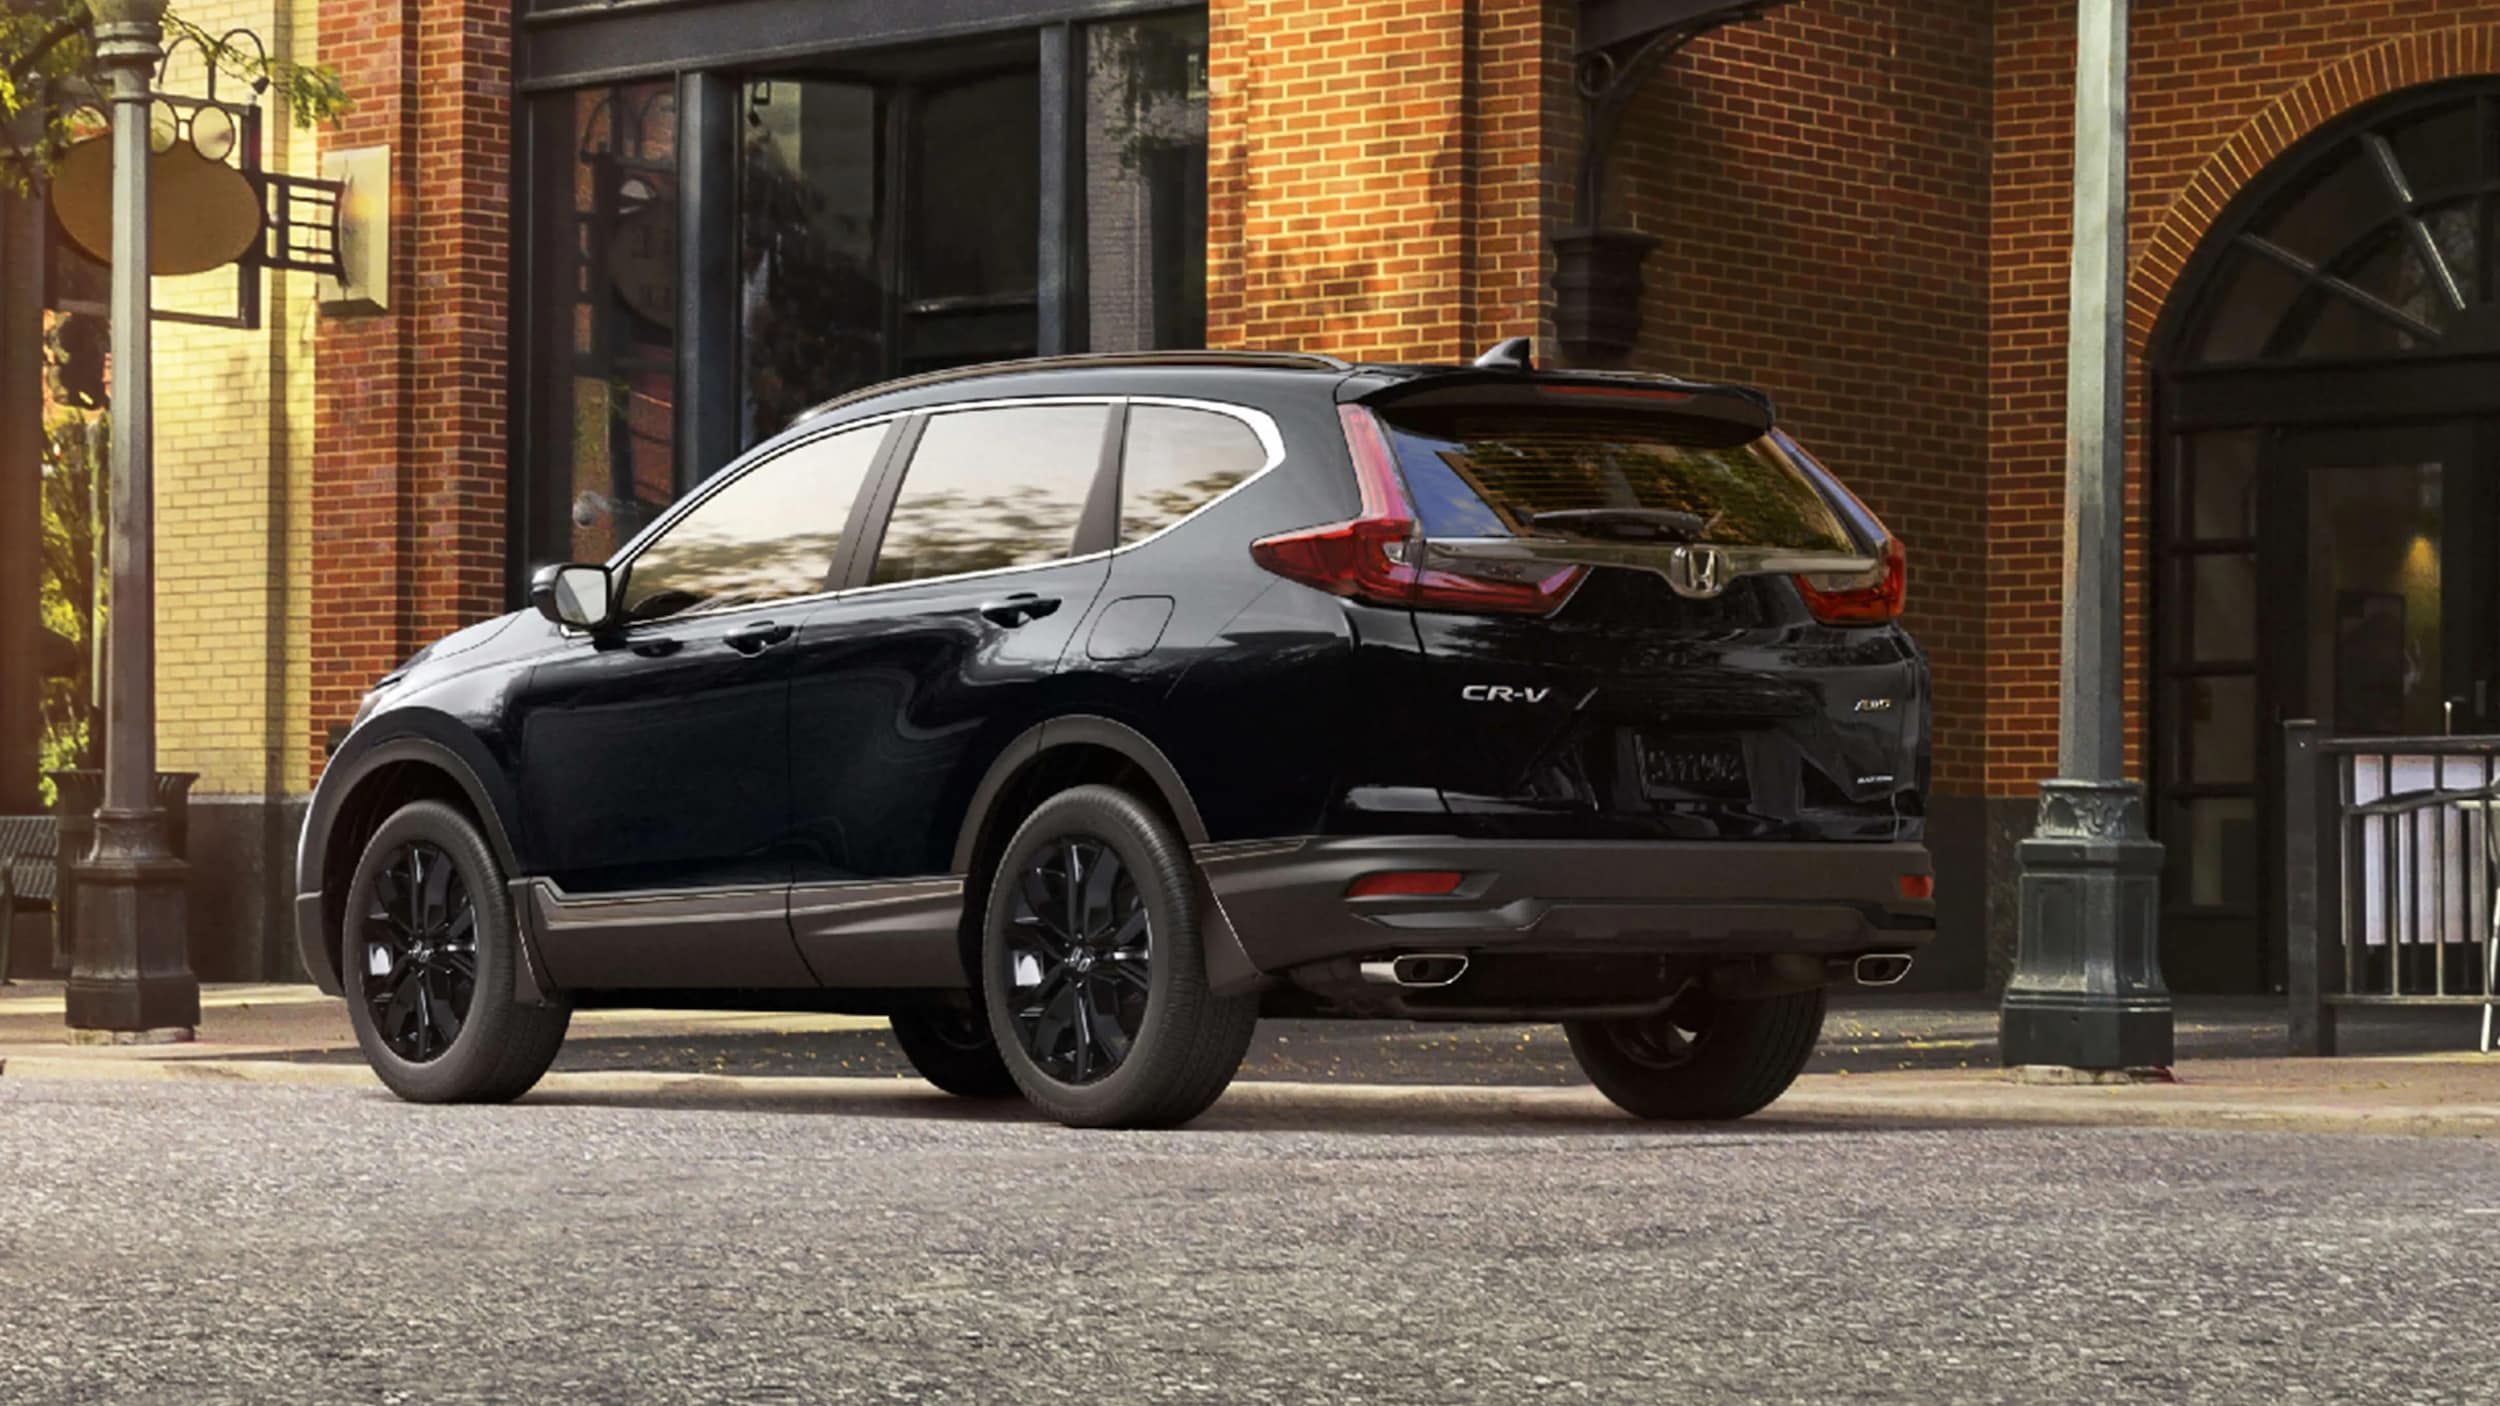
(233, 459)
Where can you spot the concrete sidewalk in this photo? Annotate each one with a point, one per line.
(1884, 1060)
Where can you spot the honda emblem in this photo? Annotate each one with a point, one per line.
(1697, 573)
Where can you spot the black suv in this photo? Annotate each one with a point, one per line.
(1074, 713)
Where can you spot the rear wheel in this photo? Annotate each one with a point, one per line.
(1702, 1058)
(427, 954)
(1092, 973)
(953, 1050)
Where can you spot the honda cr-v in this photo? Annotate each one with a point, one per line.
(1073, 714)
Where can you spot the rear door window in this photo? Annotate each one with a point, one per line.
(1177, 460)
(994, 488)
(1626, 479)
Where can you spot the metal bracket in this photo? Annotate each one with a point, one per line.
(1621, 43)
(1597, 271)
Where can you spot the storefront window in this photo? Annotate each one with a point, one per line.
(602, 461)
(812, 282)
(885, 211)
(1145, 178)
(851, 275)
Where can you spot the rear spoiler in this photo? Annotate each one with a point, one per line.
(1744, 409)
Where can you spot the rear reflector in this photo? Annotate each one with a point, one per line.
(1373, 558)
(1870, 599)
(1407, 883)
(1918, 886)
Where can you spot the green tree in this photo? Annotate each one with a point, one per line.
(77, 446)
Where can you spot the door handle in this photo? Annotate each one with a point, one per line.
(758, 637)
(1018, 609)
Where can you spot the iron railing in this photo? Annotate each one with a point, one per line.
(2391, 856)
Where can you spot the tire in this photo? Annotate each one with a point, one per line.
(953, 1050)
(494, 1048)
(1171, 1045)
(1703, 1059)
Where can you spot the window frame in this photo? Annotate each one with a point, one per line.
(620, 565)
(1098, 525)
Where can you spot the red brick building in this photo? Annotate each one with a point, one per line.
(630, 239)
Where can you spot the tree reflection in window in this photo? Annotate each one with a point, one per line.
(989, 489)
(1178, 460)
(769, 535)
(1512, 474)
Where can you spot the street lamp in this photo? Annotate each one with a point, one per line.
(130, 975)
(2086, 998)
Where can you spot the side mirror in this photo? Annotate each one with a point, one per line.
(575, 594)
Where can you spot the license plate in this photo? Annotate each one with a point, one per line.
(1704, 766)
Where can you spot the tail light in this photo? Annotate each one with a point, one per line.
(1375, 557)
(1870, 598)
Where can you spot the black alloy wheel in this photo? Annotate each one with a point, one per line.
(429, 961)
(1092, 971)
(420, 958)
(1702, 1057)
(952, 1049)
(1080, 959)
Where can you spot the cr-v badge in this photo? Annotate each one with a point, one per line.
(1503, 693)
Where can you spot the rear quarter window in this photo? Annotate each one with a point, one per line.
(1177, 460)
(1666, 478)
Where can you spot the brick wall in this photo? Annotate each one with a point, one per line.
(1820, 181)
(1375, 171)
(2221, 87)
(409, 480)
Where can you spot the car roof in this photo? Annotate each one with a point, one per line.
(1185, 372)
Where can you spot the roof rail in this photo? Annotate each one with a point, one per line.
(1290, 360)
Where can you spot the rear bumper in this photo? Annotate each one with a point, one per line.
(1286, 899)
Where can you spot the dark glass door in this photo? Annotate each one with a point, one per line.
(889, 223)
(2337, 574)
(2378, 590)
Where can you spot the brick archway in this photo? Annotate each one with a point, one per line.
(2409, 61)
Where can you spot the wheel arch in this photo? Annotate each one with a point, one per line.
(1020, 759)
(1046, 759)
(357, 793)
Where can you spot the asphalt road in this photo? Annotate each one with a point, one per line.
(205, 1243)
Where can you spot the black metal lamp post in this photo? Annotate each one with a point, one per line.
(2086, 995)
(130, 973)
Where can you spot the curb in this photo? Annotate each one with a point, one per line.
(1818, 1101)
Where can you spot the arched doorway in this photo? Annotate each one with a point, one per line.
(2326, 506)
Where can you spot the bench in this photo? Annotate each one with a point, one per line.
(28, 877)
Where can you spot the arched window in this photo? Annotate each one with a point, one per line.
(2325, 493)
(2380, 244)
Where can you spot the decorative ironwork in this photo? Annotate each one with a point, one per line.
(1597, 278)
(300, 215)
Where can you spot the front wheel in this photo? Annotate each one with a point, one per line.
(1092, 972)
(953, 1050)
(1702, 1058)
(426, 961)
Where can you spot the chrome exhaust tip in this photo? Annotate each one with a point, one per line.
(1417, 971)
(1881, 968)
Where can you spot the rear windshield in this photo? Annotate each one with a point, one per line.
(1619, 478)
